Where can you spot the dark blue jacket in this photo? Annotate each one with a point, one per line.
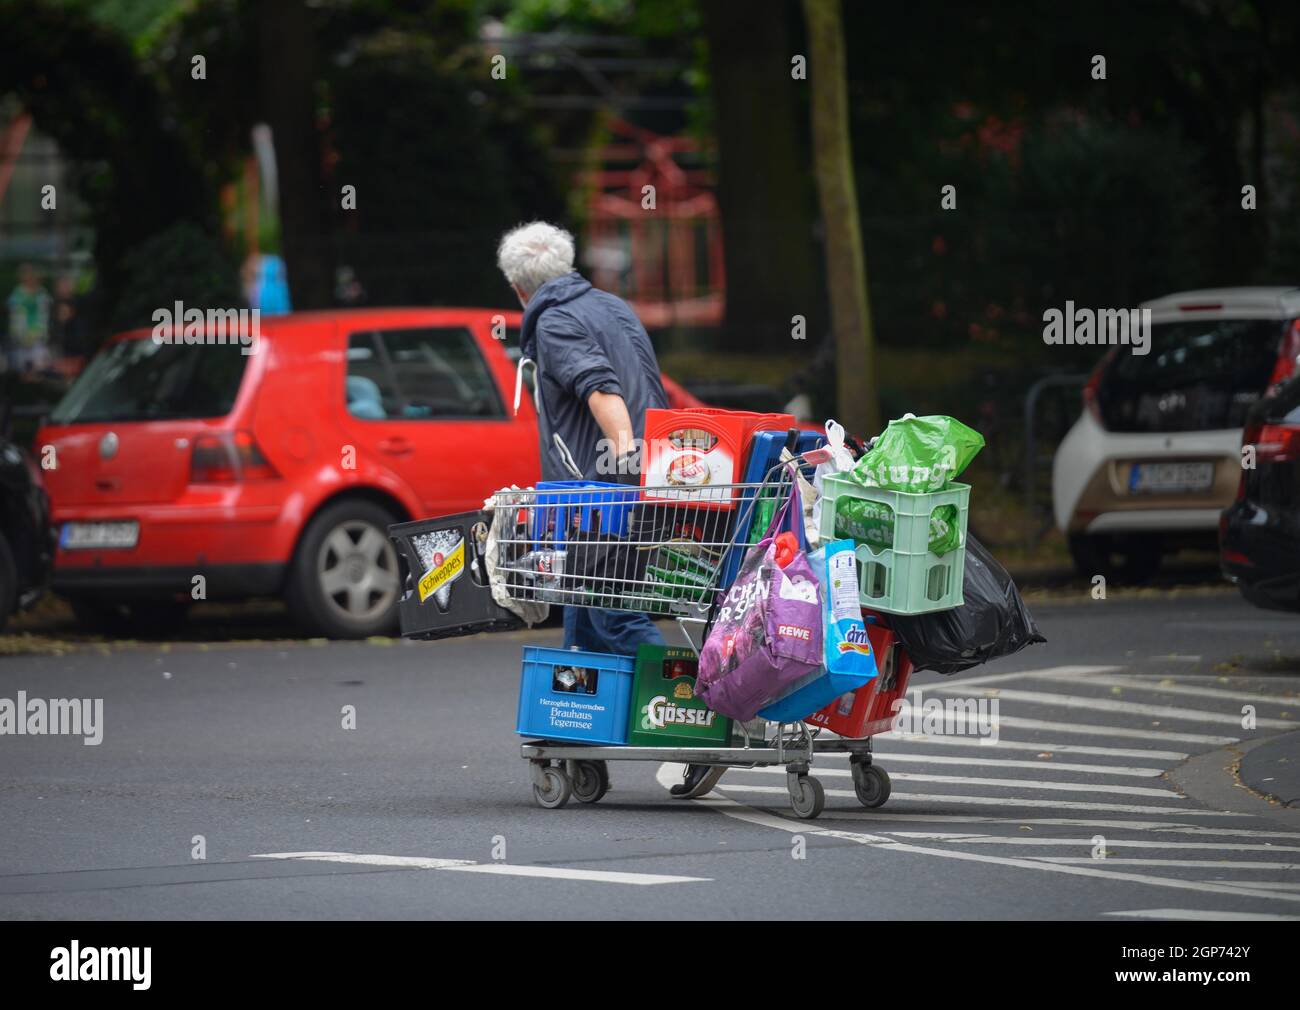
(584, 341)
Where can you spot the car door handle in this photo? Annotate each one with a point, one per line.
(396, 447)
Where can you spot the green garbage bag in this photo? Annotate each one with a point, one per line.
(919, 454)
(872, 523)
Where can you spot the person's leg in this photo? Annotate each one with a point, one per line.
(621, 631)
(579, 632)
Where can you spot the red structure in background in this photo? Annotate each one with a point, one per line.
(659, 248)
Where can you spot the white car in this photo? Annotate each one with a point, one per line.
(1156, 454)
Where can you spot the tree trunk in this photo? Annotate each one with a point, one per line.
(764, 193)
(287, 57)
(857, 405)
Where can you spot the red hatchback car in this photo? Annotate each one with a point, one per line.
(184, 472)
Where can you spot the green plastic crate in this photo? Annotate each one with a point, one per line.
(904, 577)
(665, 711)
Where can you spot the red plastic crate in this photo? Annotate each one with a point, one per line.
(699, 448)
(870, 709)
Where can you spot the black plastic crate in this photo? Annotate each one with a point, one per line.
(446, 591)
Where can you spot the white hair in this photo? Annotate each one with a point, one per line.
(535, 253)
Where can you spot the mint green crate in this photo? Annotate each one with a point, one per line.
(904, 577)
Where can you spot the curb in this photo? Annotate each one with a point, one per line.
(1214, 779)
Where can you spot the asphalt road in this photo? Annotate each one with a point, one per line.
(1108, 794)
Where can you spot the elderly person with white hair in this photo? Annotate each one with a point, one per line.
(596, 376)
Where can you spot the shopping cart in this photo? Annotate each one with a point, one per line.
(662, 551)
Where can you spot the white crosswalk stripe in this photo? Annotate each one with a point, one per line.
(1042, 764)
(1073, 701)
(1053, 748)
(1166, 686)
(966, 780)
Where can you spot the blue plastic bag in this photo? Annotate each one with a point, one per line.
(848, 662)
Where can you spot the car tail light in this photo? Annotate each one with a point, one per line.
(228, 456)
(1287, 353)
(1094, 384)
(1276, 443)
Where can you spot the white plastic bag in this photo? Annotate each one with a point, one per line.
(840, 461)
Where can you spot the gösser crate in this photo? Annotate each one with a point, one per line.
(665, 710)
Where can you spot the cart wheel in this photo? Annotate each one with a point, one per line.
(557, 790)
(810, 798)
(871, 783)
(590, 781)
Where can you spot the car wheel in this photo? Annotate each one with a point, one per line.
(139, 618)
(8, 582)
(345, 578)
(1121, 559)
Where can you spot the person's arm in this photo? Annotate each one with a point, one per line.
(610, 412)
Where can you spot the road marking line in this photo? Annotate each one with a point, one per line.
(470, 866)
(1111, 843)
(1063, 672)
(1074, 701)
(564, 873)
(1193, 914)
(1159, 827)
(730, 808)
(1056, 748)
(1002, 801)
(368, 859)
(959, 780)
(1042, 764)
(1093, 729)
(1138, 683)
(1186, 864)
(1275, 885)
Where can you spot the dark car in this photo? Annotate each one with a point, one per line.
(26, 540)
(1259, 534)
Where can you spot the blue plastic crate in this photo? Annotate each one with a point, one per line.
(765, 453)
(584, 697)
(556, 502)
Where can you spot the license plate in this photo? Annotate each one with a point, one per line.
(86, 536)
(1170, 478)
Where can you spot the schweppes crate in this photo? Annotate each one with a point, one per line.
(445, 584)
(665, 711)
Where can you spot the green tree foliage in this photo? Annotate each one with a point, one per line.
(182, 263)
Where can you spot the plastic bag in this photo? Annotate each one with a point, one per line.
(767, 633)
(993, 622)
(872, 523)
(919, 454)
(841, 460)
(848, 660)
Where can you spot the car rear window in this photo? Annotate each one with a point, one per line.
(1198, 376)
(142, 380)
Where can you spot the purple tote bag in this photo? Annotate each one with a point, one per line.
(767, 632)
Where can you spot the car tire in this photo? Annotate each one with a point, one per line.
(345, 579)
(103, 615)
(8, 582)
(1125, 560)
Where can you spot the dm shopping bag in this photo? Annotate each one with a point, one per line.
(849, 662)
(767, 632)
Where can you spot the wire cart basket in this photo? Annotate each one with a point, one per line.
(664, 551)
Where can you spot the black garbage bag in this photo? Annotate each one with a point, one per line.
(992, 622)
